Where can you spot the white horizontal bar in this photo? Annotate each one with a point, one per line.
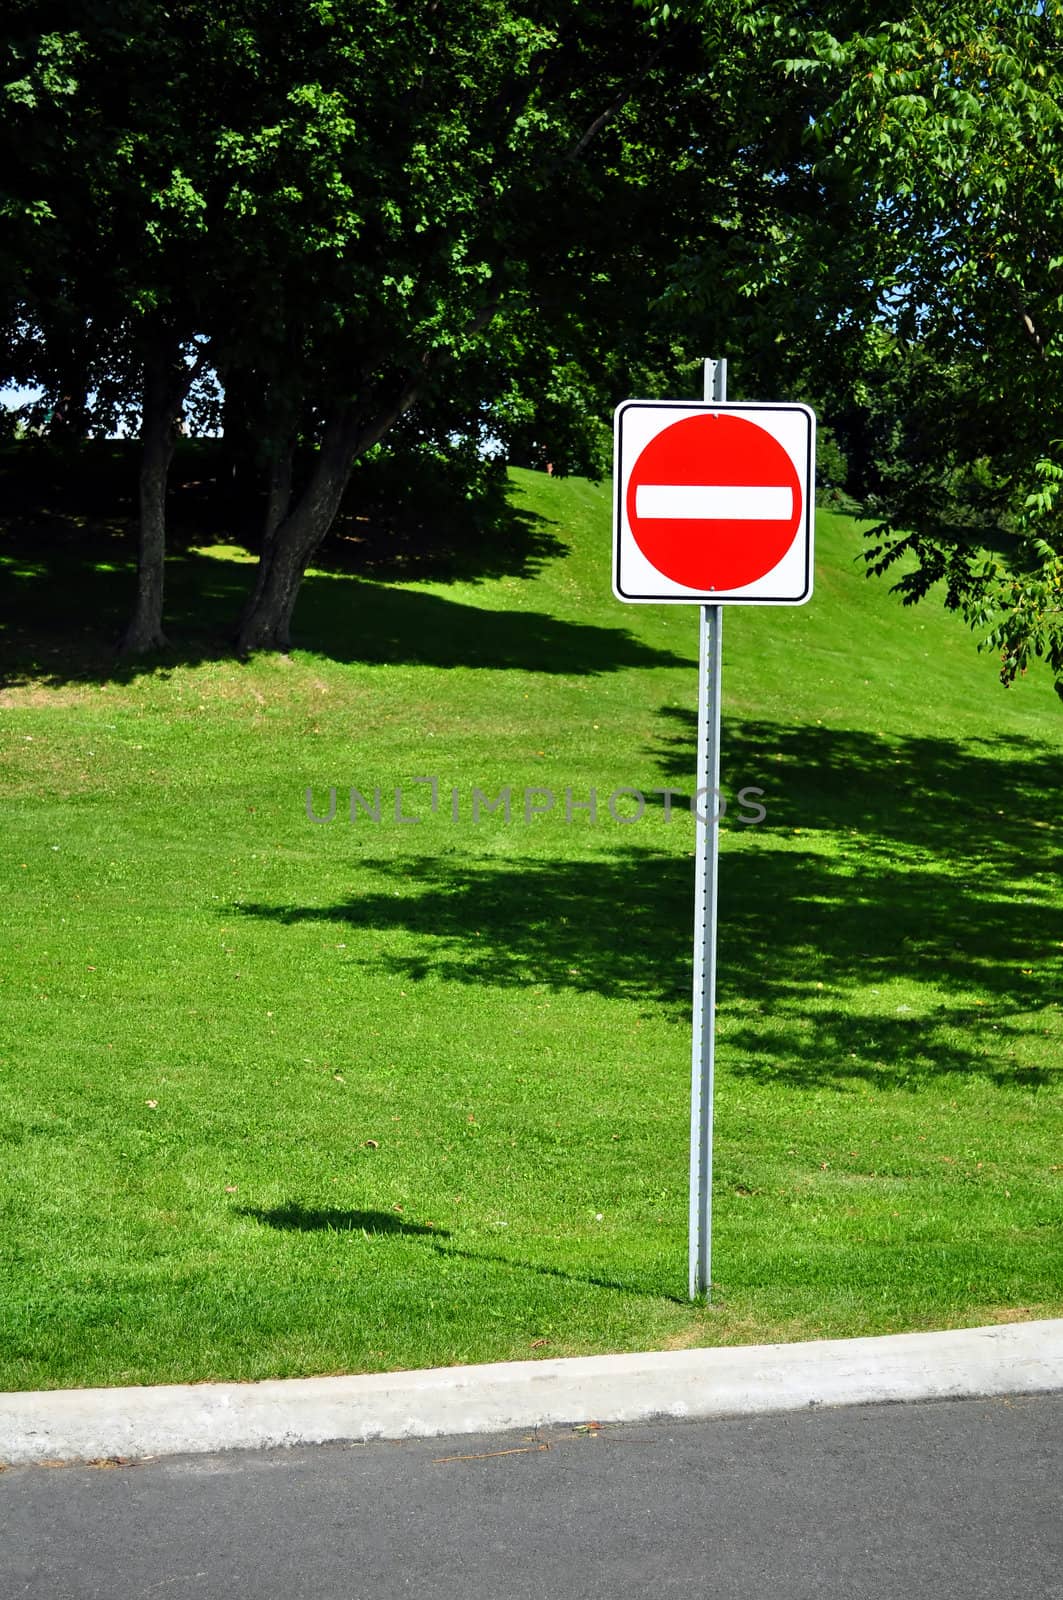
(713, 502)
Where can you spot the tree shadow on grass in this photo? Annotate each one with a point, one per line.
(503, 541)
(861, 881)
(293, 1216)
(64, 628)
(989, 804)
(616, 927)
(68, 576)
(355, 621)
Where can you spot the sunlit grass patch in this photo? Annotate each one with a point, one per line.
(279, 1097)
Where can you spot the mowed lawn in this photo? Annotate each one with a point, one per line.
(280, 1097)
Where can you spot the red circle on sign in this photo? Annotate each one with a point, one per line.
(689, 528)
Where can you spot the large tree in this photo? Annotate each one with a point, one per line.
(507, 213)
(353, 207)
(162, 177)
(495, 193)
(938, 143)
(106, 273)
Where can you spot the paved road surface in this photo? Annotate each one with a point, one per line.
(955, 1499)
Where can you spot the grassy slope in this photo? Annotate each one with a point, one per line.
(282, 1099)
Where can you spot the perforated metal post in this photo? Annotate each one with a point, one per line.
(705, 865)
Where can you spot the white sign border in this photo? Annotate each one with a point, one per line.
(672, 593)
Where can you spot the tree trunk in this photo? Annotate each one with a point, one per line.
(158, 437)
(278, 500)
(266, 622)
(279, 493)
(291, 541)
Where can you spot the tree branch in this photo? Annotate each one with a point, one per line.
(1026, 319)
(374, 431)
(621, 100)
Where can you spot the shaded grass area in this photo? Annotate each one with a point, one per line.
(71, 509)
(354, 621)
(278, 1098)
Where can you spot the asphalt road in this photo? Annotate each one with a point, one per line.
(953, 1499)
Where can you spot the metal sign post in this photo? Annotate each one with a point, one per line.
(710, 661)
(712, 506)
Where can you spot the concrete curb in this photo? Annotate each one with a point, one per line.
(94, 1424)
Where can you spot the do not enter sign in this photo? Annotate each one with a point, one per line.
(720, 534)
(713, 502)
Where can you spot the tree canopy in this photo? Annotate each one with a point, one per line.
(490, 220)
(349, 208)
(943, 139)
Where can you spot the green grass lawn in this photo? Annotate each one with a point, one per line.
(279, 1098)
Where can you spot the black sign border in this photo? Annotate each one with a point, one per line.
(713, 598)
